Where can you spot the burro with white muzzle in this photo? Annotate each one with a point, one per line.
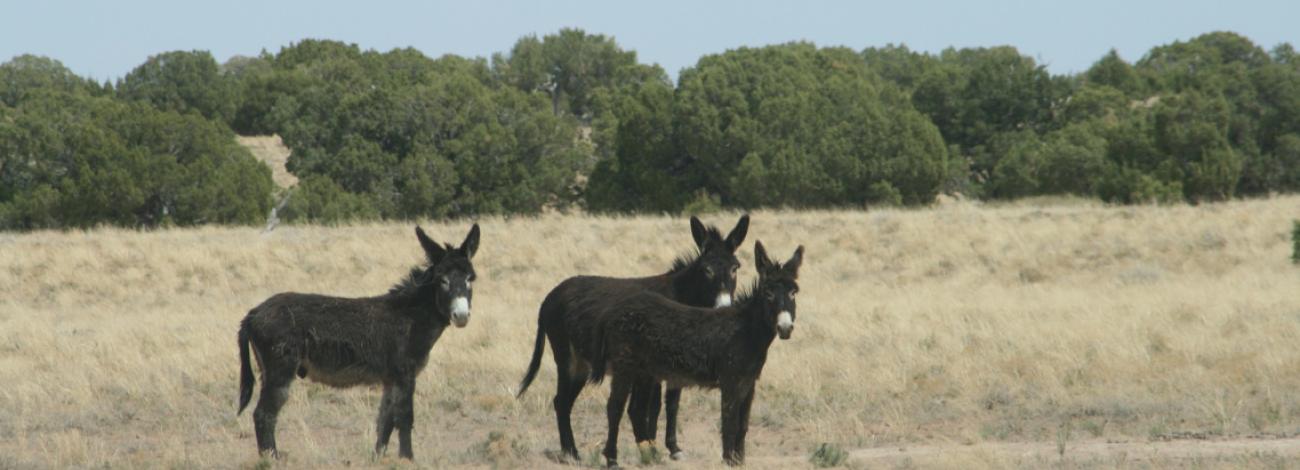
(343, 342)
(654, 339)
(571, 314)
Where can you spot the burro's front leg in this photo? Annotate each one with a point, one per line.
(735, 399)
(743, 421)
(620, 386)
(404, 415)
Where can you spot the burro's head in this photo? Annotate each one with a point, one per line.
(451, 270)
(777, 287)
(717, 259)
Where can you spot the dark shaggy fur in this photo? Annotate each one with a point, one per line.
(345, 342)
(572, 313)
(651, 338)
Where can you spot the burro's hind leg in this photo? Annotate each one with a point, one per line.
(570, 378)
(620, 387)
(641, 414)
(672, 400)
(276, 378)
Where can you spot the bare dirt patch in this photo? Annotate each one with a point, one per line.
(270, 150)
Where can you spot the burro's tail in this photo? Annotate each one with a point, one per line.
(246, 379)
(539, 347)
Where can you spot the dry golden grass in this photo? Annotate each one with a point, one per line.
(968, 328)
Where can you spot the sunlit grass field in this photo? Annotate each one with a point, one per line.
(1061, 322)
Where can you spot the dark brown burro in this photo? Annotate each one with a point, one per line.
(573, 311)
(651, 338)
(344, 342)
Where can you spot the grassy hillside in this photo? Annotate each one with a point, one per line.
(953, 326)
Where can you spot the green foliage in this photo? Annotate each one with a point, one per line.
(1113, 72)
(1191, 130)
(75, 160)
(974, 94)
(318, 199)
(702, 203)
(1295, 242)
(640, 165)
(900, 65)
(828, 455)
(648, 455)
(409, 136)
(1016, 174)
(183, 82)
(1129, 186)
(572, 118)
(800, 126)
(881, 193)
(1095, 102)
(27, 74)
(571, 67)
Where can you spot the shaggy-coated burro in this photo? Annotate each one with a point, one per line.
(573, 311)
(652, 338)
(345, 342)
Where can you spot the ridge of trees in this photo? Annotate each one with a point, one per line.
(572, 119)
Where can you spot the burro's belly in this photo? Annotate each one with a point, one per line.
(341, 376)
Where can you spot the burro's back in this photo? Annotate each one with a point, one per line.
(343, 342)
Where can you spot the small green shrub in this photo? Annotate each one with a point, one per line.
(649, 454)
(501, 450)
(883, 194)
(1295, 241)
(828, 455)
(703, 203)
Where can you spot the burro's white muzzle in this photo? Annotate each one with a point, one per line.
(724, 300)
(460, 312)
(784, 324)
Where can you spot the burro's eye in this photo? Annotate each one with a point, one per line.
(445, 282)
(733, 270)
(708, 271)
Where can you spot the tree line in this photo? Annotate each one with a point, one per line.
(572, 119)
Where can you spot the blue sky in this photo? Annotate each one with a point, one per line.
(105, 40)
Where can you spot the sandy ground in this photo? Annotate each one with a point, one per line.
(269, 149)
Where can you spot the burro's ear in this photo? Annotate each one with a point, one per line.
(761, 262)
(470, 245)
(792, 266)
(432, 250)
(698, 232)
(737, 235)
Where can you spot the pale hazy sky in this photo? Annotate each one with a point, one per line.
(106, 39)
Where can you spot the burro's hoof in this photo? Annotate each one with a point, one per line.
(678, 455)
